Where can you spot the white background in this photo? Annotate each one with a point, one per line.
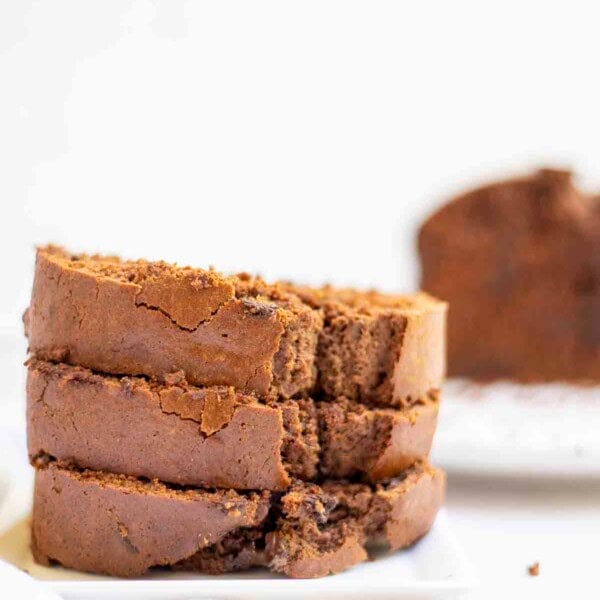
(303, 140)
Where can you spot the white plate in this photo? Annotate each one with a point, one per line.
(435, 567)
(507, 429)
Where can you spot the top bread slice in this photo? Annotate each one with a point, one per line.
(162, 321)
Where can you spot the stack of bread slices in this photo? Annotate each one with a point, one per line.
(184, 419)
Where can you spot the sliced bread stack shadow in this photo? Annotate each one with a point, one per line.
(184, 419)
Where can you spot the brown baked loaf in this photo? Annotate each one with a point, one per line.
(216, 437)
(154, 319)
(160, 398)
(116, 525)
(519, 263)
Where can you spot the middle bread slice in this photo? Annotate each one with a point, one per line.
(215, 436)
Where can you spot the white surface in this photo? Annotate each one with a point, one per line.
(435, 567)
(519, 430)
(524, 485)
(15, 579)
(507, 524)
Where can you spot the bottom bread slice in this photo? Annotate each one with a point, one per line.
(117, 525)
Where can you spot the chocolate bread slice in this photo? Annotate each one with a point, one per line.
(154, 319)
(376, 348)
(519, 262)
(114, 525)
(215, 436)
